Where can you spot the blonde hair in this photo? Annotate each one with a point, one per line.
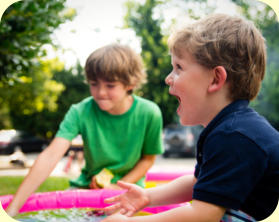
(116, 62)
(228, 41)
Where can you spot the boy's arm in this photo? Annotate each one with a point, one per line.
(40, 170)
(179, 190)
(136, 198)
(140, 169)
(197, 211)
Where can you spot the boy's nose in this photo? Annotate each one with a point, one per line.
(168, 79)
(101, 91)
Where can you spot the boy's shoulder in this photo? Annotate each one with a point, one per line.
(250, 121)
(84, 101)
(83, 104)
(146, 104)
(247, 122)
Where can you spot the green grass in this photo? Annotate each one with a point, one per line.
(10, 184)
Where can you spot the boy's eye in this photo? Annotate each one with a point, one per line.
(178, 66)
(93, 84)
(110, 85)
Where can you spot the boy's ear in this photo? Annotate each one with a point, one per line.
(130, 87)
(219, 79)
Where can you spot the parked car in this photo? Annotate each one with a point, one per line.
(181, 140)
(12, 139)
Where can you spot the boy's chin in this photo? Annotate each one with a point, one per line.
(186, 122)
(104, 107)
(182, 122)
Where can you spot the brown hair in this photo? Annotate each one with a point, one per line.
(116, 62)
(228, 41)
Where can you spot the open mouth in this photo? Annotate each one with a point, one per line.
(179, 105)
(178, 98)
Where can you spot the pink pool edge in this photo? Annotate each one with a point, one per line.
(82, 198)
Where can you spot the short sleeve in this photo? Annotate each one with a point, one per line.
(69, 127)
(231, 167)
(153, 135)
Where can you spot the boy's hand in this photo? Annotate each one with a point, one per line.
(129, 202)
(93, 184)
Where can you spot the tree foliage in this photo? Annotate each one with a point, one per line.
(26, 84)
(154, 53)
(25, 27)
(264, 17)
(36, 93)
(46, 122)
(31, 94)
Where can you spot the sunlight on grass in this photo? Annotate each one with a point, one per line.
(9, 184)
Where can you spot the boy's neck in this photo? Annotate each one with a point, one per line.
(214, 108)
(123, 107)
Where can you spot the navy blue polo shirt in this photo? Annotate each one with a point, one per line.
(238, 162)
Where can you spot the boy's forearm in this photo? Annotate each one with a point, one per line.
(140, 169)
(177, 191)
(198, 212)
(31, 182)
(40, 170)
(175, 215)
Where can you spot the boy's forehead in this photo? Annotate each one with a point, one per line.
(181, 54)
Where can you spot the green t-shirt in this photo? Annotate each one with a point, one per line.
(115, 142)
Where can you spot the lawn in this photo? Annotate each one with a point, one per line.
(9, 184)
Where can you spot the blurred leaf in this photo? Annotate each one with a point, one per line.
(25, 27)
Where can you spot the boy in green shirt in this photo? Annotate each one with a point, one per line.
(121, 132)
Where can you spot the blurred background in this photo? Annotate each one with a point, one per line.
(44, 45)
(43, 48)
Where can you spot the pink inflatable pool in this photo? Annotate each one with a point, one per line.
(166, 176)
(85, 198)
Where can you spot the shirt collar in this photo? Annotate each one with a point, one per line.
(232, 107)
